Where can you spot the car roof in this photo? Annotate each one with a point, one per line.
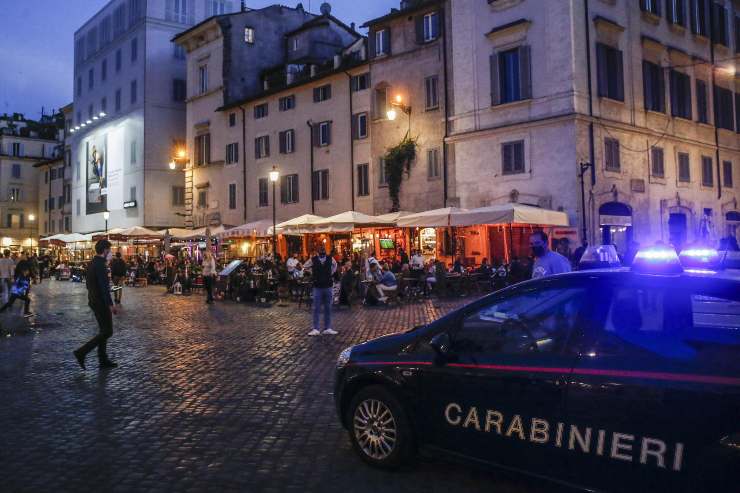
(732, 275)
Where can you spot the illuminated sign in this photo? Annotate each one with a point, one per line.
(129, 205)
(96, 164)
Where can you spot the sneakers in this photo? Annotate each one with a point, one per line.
(329, 332)
(314, 332)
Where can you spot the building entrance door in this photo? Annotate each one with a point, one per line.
(677, 229)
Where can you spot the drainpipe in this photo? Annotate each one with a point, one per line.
(590, 114)
(445, 185)
(244, 158)
(310, 147)
(351, 144)
(712, 38)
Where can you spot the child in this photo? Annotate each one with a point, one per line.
(19, 290)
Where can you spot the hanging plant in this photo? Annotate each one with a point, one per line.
(398, 161)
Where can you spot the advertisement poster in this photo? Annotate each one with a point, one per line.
(97, 171)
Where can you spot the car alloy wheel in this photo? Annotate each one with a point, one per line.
(375, 429)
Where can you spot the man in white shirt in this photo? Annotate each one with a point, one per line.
(417, 261)
(291, 264)
(7, 268)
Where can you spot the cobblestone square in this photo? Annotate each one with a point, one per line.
(224, 397)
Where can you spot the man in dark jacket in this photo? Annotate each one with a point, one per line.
(118, 273)
(322, 269)
(101, 303)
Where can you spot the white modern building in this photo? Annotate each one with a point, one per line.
(129, 100)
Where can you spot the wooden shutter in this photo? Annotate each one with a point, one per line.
(419, 21)
(257, 148)
(315, 135)
(328, 91)
(495, 84)
(328, 133)
(371, 43)
(324, 184)
(619, 75)
(207, 139)
(294, 186)
(281, 142)
(673, 88)
(316, 95)
(267, 145)
(506, 158)
(647, 86)
(686, 86)
(387, 41)
(284, 189)
(355, 126)
(602, 70)
(525, 72)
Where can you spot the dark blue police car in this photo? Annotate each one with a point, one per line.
(614, 380)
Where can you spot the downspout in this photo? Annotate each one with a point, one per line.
(445, 186)
(351, 145)
(714, 100)
(310, 127)
(244, 159)
(591, 156)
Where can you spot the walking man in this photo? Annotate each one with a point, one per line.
(546, 262)
(99, 300)
(322, 271)
(209, 275)
(7, 268)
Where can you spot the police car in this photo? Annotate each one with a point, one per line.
(607, 379)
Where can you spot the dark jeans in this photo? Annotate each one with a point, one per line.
(14, 297)
(322, 297)
(209, 287)
(104, 318)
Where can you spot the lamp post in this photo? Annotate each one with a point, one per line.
(31, 218)
(274, 175)
(398, 103)
(106, 216)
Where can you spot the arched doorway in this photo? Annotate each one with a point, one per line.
(732, 221)
(615, 221)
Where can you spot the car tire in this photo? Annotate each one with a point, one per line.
(379, 429)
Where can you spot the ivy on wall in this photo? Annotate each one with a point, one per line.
(398, 160)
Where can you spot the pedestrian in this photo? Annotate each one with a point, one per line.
(546, 261)
(35, 274)
(118, 273)
(7, 269)
(209, 275)
(322, 269)
(101, 303)
(19, 291)
(22, 264)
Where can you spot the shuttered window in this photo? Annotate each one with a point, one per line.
(723, 104)
(320, 184)
(380, 42)
(680, 95)
(232, 153)
(262, 147)
(702, 113)
(707, 175)
(611, 154)
(322, 93)
(289, 189)
(727, 174)
(287, 141)
(610, 72)
(676, 12)
(359, 126)
(232, 195)
(512, 157)
(263, 195)
(684, 167)
(363, 180)
(511, 75)
(653, 87)
(202, 150)
(427, 27)
(657, 167)
(699, 10)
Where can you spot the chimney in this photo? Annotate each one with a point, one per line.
(299, 8)
(244, 6)
(352, 26)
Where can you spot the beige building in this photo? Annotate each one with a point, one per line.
(655, 114)
(24, 143)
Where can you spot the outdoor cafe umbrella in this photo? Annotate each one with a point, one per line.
(260, 228)
(437, 218)
(510, 213)
(349, 221)
(297, 225)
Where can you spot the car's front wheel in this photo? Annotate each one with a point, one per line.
(379, 429)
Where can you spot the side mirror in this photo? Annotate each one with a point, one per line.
(441, 343)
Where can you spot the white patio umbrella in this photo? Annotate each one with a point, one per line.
(297, 225)
(394, 216)
(436, 218)
(137, 232)
(350, 220)
(510, 213)
(260, 228)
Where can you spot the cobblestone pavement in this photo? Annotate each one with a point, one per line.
(221, 398)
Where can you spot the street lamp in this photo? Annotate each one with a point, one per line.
(31, 218)
(106, 216)
(398, 103)
(274, 175)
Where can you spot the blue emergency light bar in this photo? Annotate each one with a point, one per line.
(700, 258)
(657, 260)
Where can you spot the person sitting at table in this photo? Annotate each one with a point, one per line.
(457, 267)
(346, 284)
(387, 283)
(484, 268)
(431, 276)
(291, 264)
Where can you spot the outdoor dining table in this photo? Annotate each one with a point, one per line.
(415, 288)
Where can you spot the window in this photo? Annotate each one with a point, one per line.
(104, 105)
(699, 16)
(90, 112)
(53, 174)
(430, 27)
(178, 196)
(135, 11)
(680, 95)
(382, 173)
(684, 167)
(78, 207)
(260, 111)
(538, 320)
(118, 60)
(118, 100)
(723, 103)
(380, 102)
(433, 163)
(289, 189)
(359, 126)
(707, 175)
(263, 195)
(105, 32)
(363, 180)
(67, 224)
(719, 17)
(232, 119)
(232, 196)
(180, 12)
(323, 134)
(287, 141)
(510, 75)
(9, 221)
(16, 171)
(610, 72)
(360, 82)
(320, 184)
(249, 35)
(132, 194)
(202, 79)
(653, 87)
(17, 149)
(104, 70)
(657, 168)
(179, 52)
(134, 49)
(702, 113)
(737, 109)
(321, 93)
(119, 20)
(512, 157)
(134, 91)
(652, 6)
(14, 194)
(262, 147)
(46, 205)
(79, 86)
(431, 92)
(46, 177)
(676, 12)
(727, 174)
(382, 42)
(216, 7)
(611, 154)
(90, 78)
(178, 90)
(202, 199)
(286, 103)
(133, 153)
(202, 149)
(295, 43)
(232, 153)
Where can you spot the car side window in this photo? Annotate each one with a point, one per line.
(676, 323)
(537, 321)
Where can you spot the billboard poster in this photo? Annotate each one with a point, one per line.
(97, 174)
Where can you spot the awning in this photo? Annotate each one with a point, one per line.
(259, 228)
(349, 221)
(298, 225)
(430, 219)
(394, 216)
(134, 232)
(510, 213)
